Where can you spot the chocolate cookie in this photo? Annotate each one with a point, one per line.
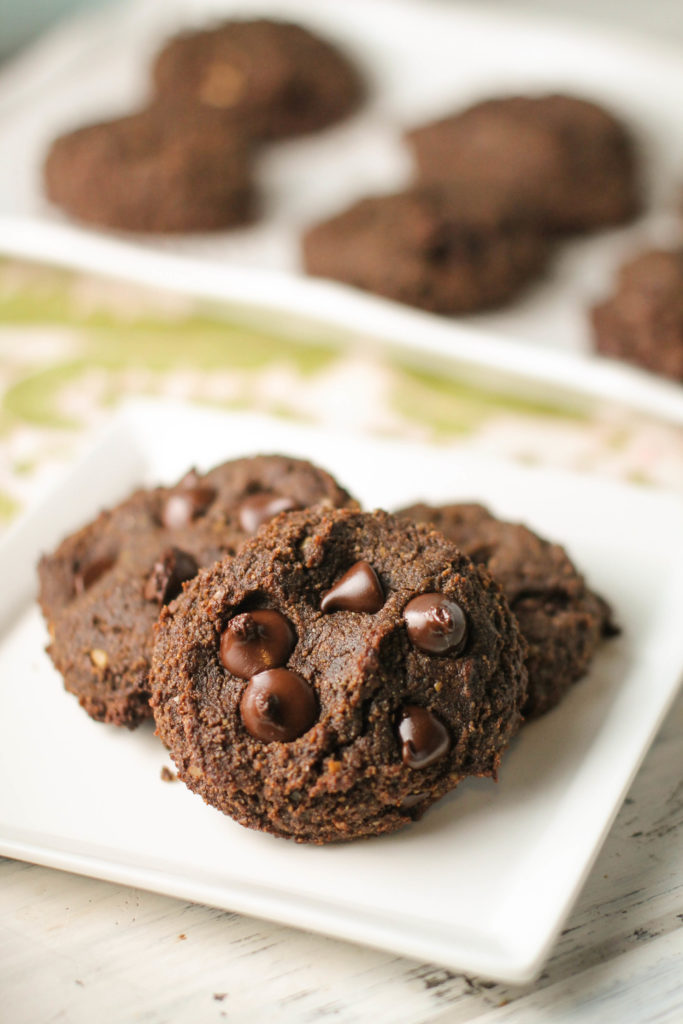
(568, 159)
(337, 676)
(642, 322)
(444, 250)
(102, 589)
(153, 171)
(272, 78)
(561, 619)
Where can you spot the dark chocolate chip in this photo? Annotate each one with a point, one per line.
(259, 508)
(182, 506)
(412, 800)
(436, 624)
(87, 574)
(255, 641)
(423, 736)
(358, 590)
(278, 705)
(168, 575)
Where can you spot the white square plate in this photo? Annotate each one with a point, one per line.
(485, 880)
(422, 59)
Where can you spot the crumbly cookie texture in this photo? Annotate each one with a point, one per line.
(271, 78)
(446, 250)
(570, 160)
(102, 589)
(642, 322)
(338, 676)
(562, 620)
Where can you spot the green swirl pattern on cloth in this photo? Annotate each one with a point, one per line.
(73, 346)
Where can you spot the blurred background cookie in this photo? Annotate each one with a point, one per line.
(642, 321)
(448, 250)
(273, 78)
(153, 171)
(569, 159)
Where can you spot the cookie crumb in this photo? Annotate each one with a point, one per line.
(167, 775)
(99, 658)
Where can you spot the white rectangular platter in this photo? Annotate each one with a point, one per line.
(422, 58)
(483, 883)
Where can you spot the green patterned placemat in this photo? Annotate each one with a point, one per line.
(72, 346)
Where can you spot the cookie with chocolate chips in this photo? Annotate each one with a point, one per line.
(562, 620)
(452, 250)
(338, 676)
(102, 589)
(271, 78)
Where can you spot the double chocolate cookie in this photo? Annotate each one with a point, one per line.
(561, 619)
(102, 589)
(642, 322)
(337, 676)
(153, 171)
(570, 160)
(272, 78)
(447, 250)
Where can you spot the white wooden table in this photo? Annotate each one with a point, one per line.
(78, 950)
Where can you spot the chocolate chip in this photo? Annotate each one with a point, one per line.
(423, 736)
(87, 574)
(255, 641)
(168, 575)
(358, 590)
(182, 506)
(278, 705)
(412, 800)
(259, 508)
(436, 624)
